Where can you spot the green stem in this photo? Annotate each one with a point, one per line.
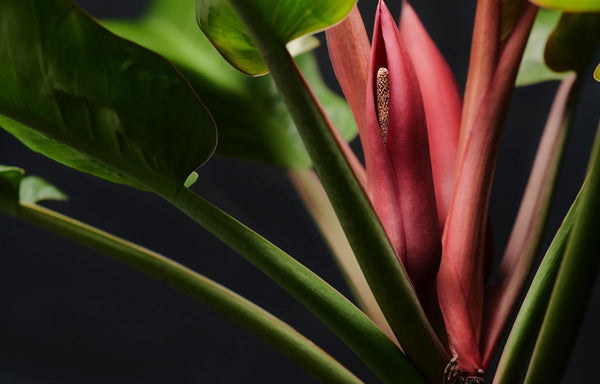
(529, 320)
(378, 261)
(338, 313)
(573, 286)
(317, 203)
(243, 312)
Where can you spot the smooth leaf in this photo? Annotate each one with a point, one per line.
(251, 117)
(88, 99)
(574, 41)
(10, 180)
(533, 66)
(574, 284)
(286, 19)
(523, 334)
(597, 73)
(16, 188)
(570, 5)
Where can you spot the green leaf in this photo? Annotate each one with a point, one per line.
(533, 68)
(10, 180)
(570, 5)
(523, 334)
(559, 43)
(288, 20)
(574, 41)
(251, 117)
(16, 189)
(35, 189)
(88, 99)
(573, 285)
(597, 73)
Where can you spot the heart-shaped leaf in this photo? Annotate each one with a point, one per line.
(261, 129)
(570, 5)
(88, 99)
(17, 188)
(286, 19)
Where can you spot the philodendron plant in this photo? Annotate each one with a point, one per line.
(142, 103)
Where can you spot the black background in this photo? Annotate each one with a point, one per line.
(70, 315)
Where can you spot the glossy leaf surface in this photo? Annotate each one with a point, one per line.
(287, 20)
(570, 5)
(251, 118)
(90, 100)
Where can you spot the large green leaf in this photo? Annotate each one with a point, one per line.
(570, 5)
(286, 19)
(574, 41)
(251, 117)
(86, 98)
(559, 43)
(533, 68)
(15, 188)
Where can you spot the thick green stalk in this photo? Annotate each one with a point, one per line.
(573, 286)
(338, 313)
(243, 312)
(523, 335)
(318, 205)
(385, 275)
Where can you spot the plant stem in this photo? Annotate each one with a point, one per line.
(317, 203)
(338, 313)
(573, 286)
(527, 325)
(378, 261)
(524, 242)
(243, 312)
(482, 62)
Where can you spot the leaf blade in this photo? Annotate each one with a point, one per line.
(261, 129)
(92, 101)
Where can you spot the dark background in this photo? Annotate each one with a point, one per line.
(70, 315)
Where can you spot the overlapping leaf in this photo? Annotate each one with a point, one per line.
(286, 19)
(251, 117)
(559, 43)
(88, 99)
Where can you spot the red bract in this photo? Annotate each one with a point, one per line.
(442, 102)
(399, 178)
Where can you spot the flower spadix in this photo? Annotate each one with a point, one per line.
(399, 177)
